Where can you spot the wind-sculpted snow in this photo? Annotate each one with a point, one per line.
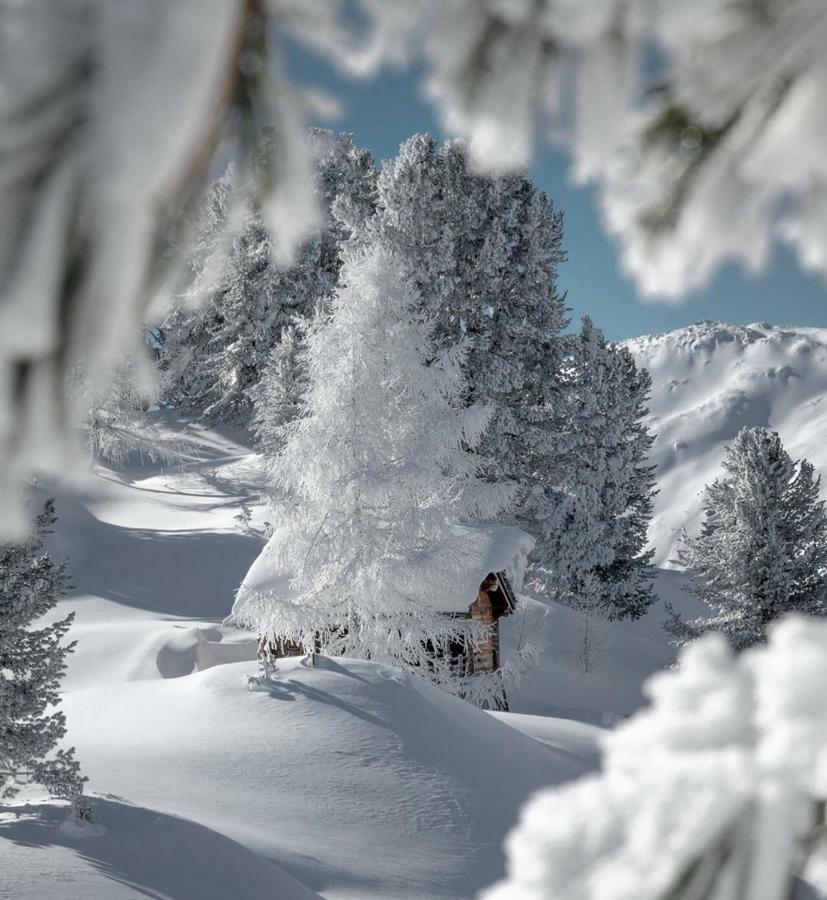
(129, 852)
(358, 780)
(709, 381)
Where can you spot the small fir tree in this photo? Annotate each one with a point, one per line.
(375, 477)
(32, 661)
(762, 547)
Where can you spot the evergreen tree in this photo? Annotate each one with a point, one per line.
(277, 398)
(118, 424)
(32, 661)
(375, 477)
(483, 253)
(762, 547)
(593, 549)
(219, 339)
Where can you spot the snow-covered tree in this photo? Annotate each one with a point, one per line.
(568, 429)
(591, 549)
(375, 477)
(715, 792)
(32, 661)
(214, 350)
(277, 398)
(483, 253)
(762, 548)
(700, 122)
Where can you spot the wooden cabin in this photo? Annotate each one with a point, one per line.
(495, 599)
(482, 586)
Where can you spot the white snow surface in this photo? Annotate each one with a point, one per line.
(709, 381)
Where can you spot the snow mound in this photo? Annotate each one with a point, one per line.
(358, 780)
(712, 379)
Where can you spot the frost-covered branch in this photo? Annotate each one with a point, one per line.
(117, 424)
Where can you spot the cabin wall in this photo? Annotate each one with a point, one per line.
(486, 657)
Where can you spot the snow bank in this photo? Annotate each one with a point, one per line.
(130, 852)
(598, 687)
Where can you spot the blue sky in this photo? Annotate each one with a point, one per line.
(383, 112)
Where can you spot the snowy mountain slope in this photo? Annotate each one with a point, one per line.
(351, 778)
(710, 380)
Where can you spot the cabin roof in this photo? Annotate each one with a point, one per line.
(487, 548)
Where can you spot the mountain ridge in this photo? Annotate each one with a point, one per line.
(709, 380)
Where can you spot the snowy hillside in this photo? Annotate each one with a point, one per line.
(350, 780)
(710, 380)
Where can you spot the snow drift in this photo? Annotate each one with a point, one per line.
(354, 778)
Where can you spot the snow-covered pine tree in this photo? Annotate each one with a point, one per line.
(762, 548)
(483, 253)
(277, 398)
(592, 550)
(32, 661)
(118, 424)
(375, 477)
(217, 342)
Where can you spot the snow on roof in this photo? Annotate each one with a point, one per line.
(501, 548)
(496, 548)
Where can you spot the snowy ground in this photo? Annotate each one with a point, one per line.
(349, 780)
